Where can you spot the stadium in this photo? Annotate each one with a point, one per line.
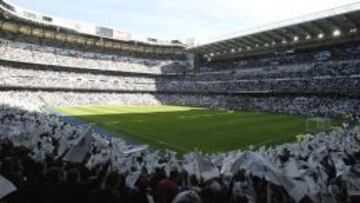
(90, 113)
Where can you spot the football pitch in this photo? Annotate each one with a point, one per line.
(187, 128)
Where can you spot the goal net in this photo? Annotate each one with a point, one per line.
(315, 125)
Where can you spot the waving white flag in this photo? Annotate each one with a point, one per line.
(77, 153)
(201, 167)
(6, 187)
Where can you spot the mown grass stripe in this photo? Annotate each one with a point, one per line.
(185, 128)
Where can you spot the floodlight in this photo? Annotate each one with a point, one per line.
(296, 38)
(336, 33)
(321, 35)
(353, 30)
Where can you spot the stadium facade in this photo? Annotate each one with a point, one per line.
(308, 65)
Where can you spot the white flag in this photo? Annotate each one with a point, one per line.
(200, 167)
(291, 169)
(6, 187)
(77, 153)
(207, 170)
(132, 178)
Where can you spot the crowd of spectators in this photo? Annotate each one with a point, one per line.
(35, 53)
(44, 159)
(330, 77)
(332, 71)
(332, 68)
(326, 106)
(195, 88)
(35, 78)
(38, 99)
(335, 53)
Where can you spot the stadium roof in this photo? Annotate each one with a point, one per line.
(337, 24)
(17, 13)
(20, 21)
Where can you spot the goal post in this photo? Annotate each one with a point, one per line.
(315, 125)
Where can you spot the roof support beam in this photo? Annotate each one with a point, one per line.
(247, 42)
(312, 26)
(232, 45)
(321, 27)
(266, 37)
(240, 45)
(306, 29)
(344, 23)
(351, 21)
(300, 32)
(355, 19)
(276, 35)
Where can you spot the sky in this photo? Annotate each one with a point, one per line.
(179, 19)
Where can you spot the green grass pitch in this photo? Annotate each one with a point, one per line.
(185, 128)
